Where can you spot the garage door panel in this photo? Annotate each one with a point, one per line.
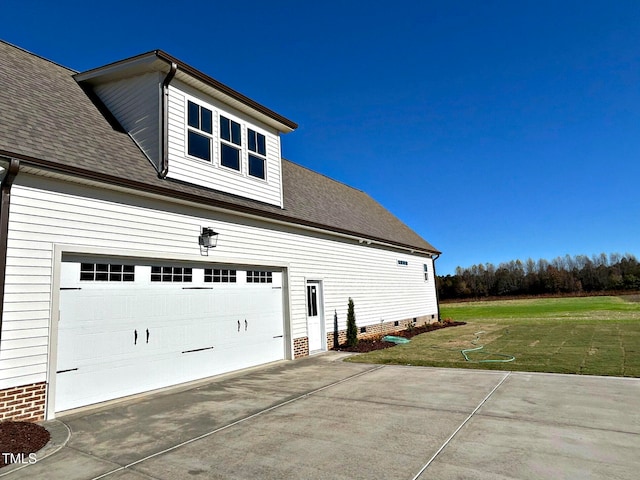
(195, 329)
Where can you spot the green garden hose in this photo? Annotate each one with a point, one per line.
(505, 359)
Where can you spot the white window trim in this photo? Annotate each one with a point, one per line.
(211, 136)
(216, 141)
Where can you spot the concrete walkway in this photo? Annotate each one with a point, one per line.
(321, 418)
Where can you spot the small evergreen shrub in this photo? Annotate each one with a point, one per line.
(352, 329)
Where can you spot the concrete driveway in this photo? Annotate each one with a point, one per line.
(321, 418)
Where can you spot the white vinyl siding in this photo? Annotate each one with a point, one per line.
(135, 103)
(211, 174)
(45, 212)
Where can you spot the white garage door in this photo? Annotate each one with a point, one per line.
(129, 328)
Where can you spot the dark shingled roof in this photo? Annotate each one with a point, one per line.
(47, 120)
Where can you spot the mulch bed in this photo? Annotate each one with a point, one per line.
(370, 344)
(21, 438)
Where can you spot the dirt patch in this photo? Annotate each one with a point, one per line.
(21, 438)
(370, 344)
(631, 298)
(533, 344)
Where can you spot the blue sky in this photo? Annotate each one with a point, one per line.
(496, 130)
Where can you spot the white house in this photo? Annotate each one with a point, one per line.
(114, 184)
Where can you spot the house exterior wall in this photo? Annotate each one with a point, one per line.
(47, 212)
(135, 103)
(212, 174)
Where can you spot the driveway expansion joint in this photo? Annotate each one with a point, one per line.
(241, 420)
(444, 445)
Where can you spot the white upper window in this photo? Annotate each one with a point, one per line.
(200, 131)
(230, 143)
(240, 147)
(257, 154)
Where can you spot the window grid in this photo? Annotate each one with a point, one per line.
(426, 272)
(230, 143)
(256, 276)
(258, 154)
(107, 272)
(217, 275)
(171, 274)
(199, 138)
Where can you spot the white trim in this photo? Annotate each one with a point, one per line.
(321, 313)
(230, 211)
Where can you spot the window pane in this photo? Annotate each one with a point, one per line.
(193, 115)
(225, 129)
(206, 122)
(230, 157)
(256, 166)
(235, 133)
(262, 149)
(252, 140)
(199, 146)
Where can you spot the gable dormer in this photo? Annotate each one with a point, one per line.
(193, 128)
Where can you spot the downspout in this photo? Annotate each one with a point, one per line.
(435, 281)
(164, 113)
(5, 198)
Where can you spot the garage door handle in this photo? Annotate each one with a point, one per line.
(238, 325)
(147, 335)
(245, 324)
(135, 337)
(278, 336)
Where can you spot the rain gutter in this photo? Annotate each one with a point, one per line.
(12, 170)
(164, 112)
(435, 281)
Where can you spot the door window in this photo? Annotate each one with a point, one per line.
(312, 300)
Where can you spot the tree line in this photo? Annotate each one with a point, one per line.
(563, 275)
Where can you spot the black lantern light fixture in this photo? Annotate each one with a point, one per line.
(207, 239)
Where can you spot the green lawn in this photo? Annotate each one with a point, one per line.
(583, 335)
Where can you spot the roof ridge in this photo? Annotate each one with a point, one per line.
(38, 56)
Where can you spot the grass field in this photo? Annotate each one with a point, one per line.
(581, 335)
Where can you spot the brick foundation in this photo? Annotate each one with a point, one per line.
(23, 403)
(300, 347)
(382, 328)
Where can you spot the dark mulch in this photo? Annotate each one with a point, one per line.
(21, 438)
(369, 344)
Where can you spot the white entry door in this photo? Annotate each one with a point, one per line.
(315, 317)
(130, 328)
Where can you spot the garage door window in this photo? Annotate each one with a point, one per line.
(259, 277)
(171, 274)
(217, 275)
(106, 272)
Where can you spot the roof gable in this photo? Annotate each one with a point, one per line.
(50, 122)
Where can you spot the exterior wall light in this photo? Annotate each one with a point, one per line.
(207, 239)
